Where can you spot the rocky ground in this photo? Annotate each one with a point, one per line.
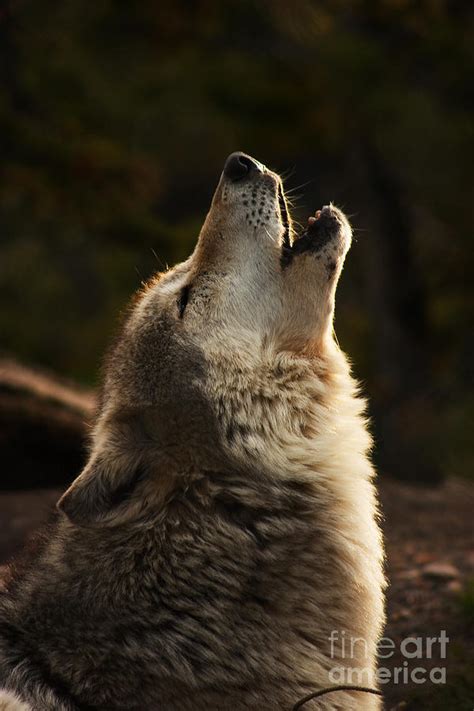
(430, 566)
(428, 533)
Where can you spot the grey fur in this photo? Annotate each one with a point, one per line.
(225, 523)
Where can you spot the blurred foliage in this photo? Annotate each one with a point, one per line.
(116, 118)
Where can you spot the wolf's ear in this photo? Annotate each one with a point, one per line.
(104, 492)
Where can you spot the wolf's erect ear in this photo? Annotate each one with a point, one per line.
(104, 492)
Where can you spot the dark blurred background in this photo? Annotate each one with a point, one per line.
(115, 121)
(116, 118)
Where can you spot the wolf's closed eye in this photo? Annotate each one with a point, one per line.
(183, 299)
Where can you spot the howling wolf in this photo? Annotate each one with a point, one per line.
(222, 540)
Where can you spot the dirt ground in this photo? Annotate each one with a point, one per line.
(430, 566)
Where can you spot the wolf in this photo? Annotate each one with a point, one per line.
(222, 540)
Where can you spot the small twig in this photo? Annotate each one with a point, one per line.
(315, 694)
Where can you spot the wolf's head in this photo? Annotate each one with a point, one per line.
(201, 368)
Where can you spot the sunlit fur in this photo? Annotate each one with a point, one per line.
(225, 523)
(11, 702)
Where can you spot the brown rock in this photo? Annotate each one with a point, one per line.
(441, 570)
(43, 427)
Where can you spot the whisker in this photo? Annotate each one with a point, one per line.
(294, 200)
(298, 229)
(162, 264)
(269, 235)
(285, 174)
(300, 187)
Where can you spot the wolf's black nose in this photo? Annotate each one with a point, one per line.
(238, 166)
